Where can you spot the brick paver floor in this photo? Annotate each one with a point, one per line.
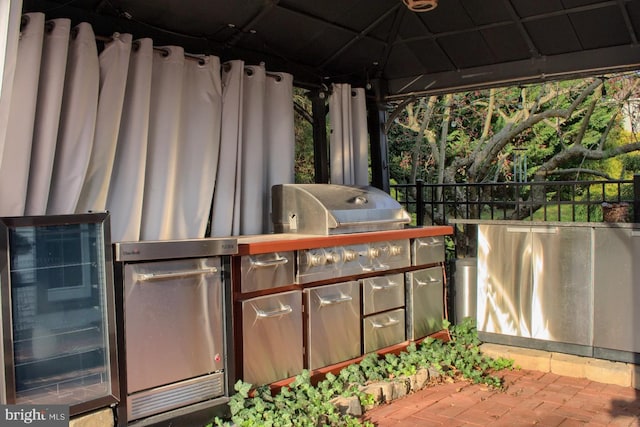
(530, 398)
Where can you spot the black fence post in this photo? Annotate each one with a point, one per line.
(636, 198)
(419, 204)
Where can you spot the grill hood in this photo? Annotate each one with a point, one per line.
(327, 209)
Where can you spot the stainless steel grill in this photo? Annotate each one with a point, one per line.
(328, 209)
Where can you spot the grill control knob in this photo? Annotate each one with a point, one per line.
(395, 250)
(349, 255)
(314, 260)
(332, 257)
(374, 252)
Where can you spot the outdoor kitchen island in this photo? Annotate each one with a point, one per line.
(304, 301)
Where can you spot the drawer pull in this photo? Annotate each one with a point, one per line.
(387, 324)
(429, 282)
(283, 311)
(148, 277)
(380, 267)
(338, 300)
(388, 285)
(434, 242)
(269, 263)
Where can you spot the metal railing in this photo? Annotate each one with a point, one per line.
(575, 201)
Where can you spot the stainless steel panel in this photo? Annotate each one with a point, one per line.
(562, 300)
(535, 282)
(177, 395)
(333, 327)
(173, 321)
(383, 330)
(425, 302)
(318, 264)
(617, 289)
(427, 250)
(169, 249)
(504, 280)
(272, 337)
(266, 271)
(465, 289)
(382, 293)
(327, 263)
(390, 254)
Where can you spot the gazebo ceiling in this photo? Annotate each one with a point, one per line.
(461, 44)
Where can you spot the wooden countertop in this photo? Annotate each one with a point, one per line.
(266, 243)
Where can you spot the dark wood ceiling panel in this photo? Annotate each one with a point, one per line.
(467, 49)
(448, 16)
(602, 27)
(410, 58)
(553, 35)
(506, 43)
(460, 44)
(528, 8)
(484, 12)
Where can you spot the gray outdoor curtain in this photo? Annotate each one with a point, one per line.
(348, 142)
(151, 134)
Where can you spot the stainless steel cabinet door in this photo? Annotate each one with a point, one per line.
(383, 330)
(173, 321)
(562, 300)
(425, 302)
(504, 280)
(333, 323)
(617, 289)
(272, 337)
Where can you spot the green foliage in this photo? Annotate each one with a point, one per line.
(301, 404)
(473, 128)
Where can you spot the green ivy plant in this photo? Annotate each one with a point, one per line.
(302, 404)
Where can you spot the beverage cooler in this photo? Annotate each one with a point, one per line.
(57, 310)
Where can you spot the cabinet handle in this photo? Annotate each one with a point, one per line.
(389, 323)
(430, 282)
(544, 230)
(518, 229)
(283, 311)
(434, 242)
(148, 277)
(389, 285)
(338, 300)
(270, 263)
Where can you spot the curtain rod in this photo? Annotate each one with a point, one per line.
(200, 58)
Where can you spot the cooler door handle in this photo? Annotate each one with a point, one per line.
(150, 277)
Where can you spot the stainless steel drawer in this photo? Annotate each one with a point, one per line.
(427, 250)
(383, 330)
(425, 302)
(272, 337)
(266, 271)
(333, 326)
(382, 293)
